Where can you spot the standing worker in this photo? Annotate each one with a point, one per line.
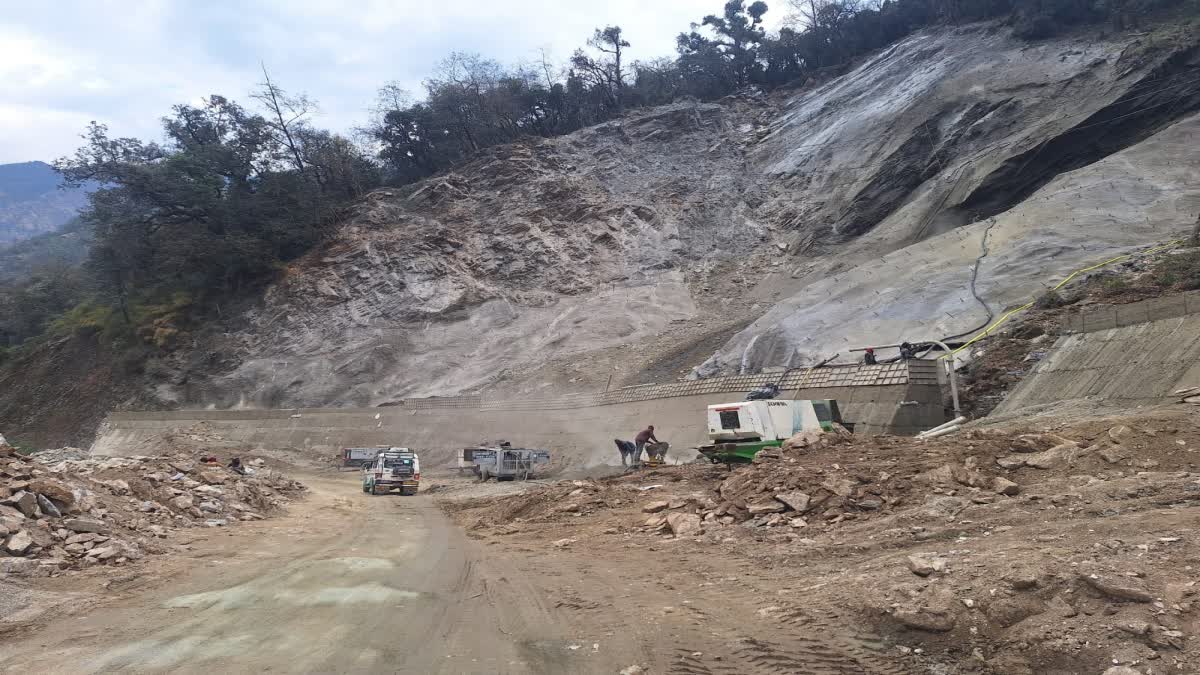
(869, 357)
(639, 443)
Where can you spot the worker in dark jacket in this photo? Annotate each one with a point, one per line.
(639, 442)
(869, 357)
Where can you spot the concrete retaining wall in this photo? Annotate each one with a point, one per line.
(1091, 320)
(894, 398)
(1140, 364)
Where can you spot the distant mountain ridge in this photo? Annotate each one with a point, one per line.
(31, 202)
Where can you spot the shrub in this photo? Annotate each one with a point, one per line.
(1049, 300)
(1179, 271)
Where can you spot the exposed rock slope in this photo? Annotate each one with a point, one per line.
(570, 249)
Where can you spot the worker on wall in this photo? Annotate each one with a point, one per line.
(639, 442)
(869, 356)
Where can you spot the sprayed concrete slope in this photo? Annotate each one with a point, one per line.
(1121, 359)
(1137, 198)
(897, 398)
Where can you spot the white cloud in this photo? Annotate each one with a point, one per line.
(126, 62)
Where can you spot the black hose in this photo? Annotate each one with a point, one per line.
(974, 276)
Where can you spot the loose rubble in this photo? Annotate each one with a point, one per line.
(998, 550)
(64, 510)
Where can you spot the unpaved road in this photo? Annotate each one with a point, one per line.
(345, 582)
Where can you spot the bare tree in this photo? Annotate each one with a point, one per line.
(286, 115)
(607, 74)
(609, 41)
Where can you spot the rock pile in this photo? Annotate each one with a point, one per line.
(82, 512)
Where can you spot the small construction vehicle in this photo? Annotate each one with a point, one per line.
(737, 431)
(393, 469)
(466, 457)
(505, 462)
(355, 457)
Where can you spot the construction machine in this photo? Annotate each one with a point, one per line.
(505, 462)
(738, 431)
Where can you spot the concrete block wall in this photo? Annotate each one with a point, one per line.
(1090, 320)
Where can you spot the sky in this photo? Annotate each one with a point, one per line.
(125, 63)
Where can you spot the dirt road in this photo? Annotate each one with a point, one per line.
(346, 582)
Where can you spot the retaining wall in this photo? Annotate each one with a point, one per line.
(1140, 364)
(1090, 320)
(901, 398)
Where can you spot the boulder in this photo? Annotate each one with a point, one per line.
(209, 490)
(86, 525)
(1005, 486)
(1120, 434)
(1061, 607)
(1122, 670)
(1049, 459)
(212, 476)
(182, 502)
(85, 501)
(842, 487)
(26, 503)
(1120, 588)
(795, 500)
(685, 524)
(1011, 462)
(18, 543)
(760, 508)
(1114, 454)
(656, 521)
(563, 543)
(117, 486)
(802, 440)
(55, 490)
(870, 503)
(655, 507)
(925, 564)
(18, 567)
(1029, 443)
(934, 618)
(48, 508)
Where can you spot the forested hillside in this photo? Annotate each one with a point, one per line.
(31, 203)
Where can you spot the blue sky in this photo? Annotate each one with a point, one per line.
(64, 63)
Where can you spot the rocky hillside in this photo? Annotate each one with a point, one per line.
(849, 211)
(701, 238)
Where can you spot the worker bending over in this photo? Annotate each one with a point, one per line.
(639, 442)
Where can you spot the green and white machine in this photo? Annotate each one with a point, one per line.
(737, 431)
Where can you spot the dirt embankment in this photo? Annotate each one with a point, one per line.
(1063, 548)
